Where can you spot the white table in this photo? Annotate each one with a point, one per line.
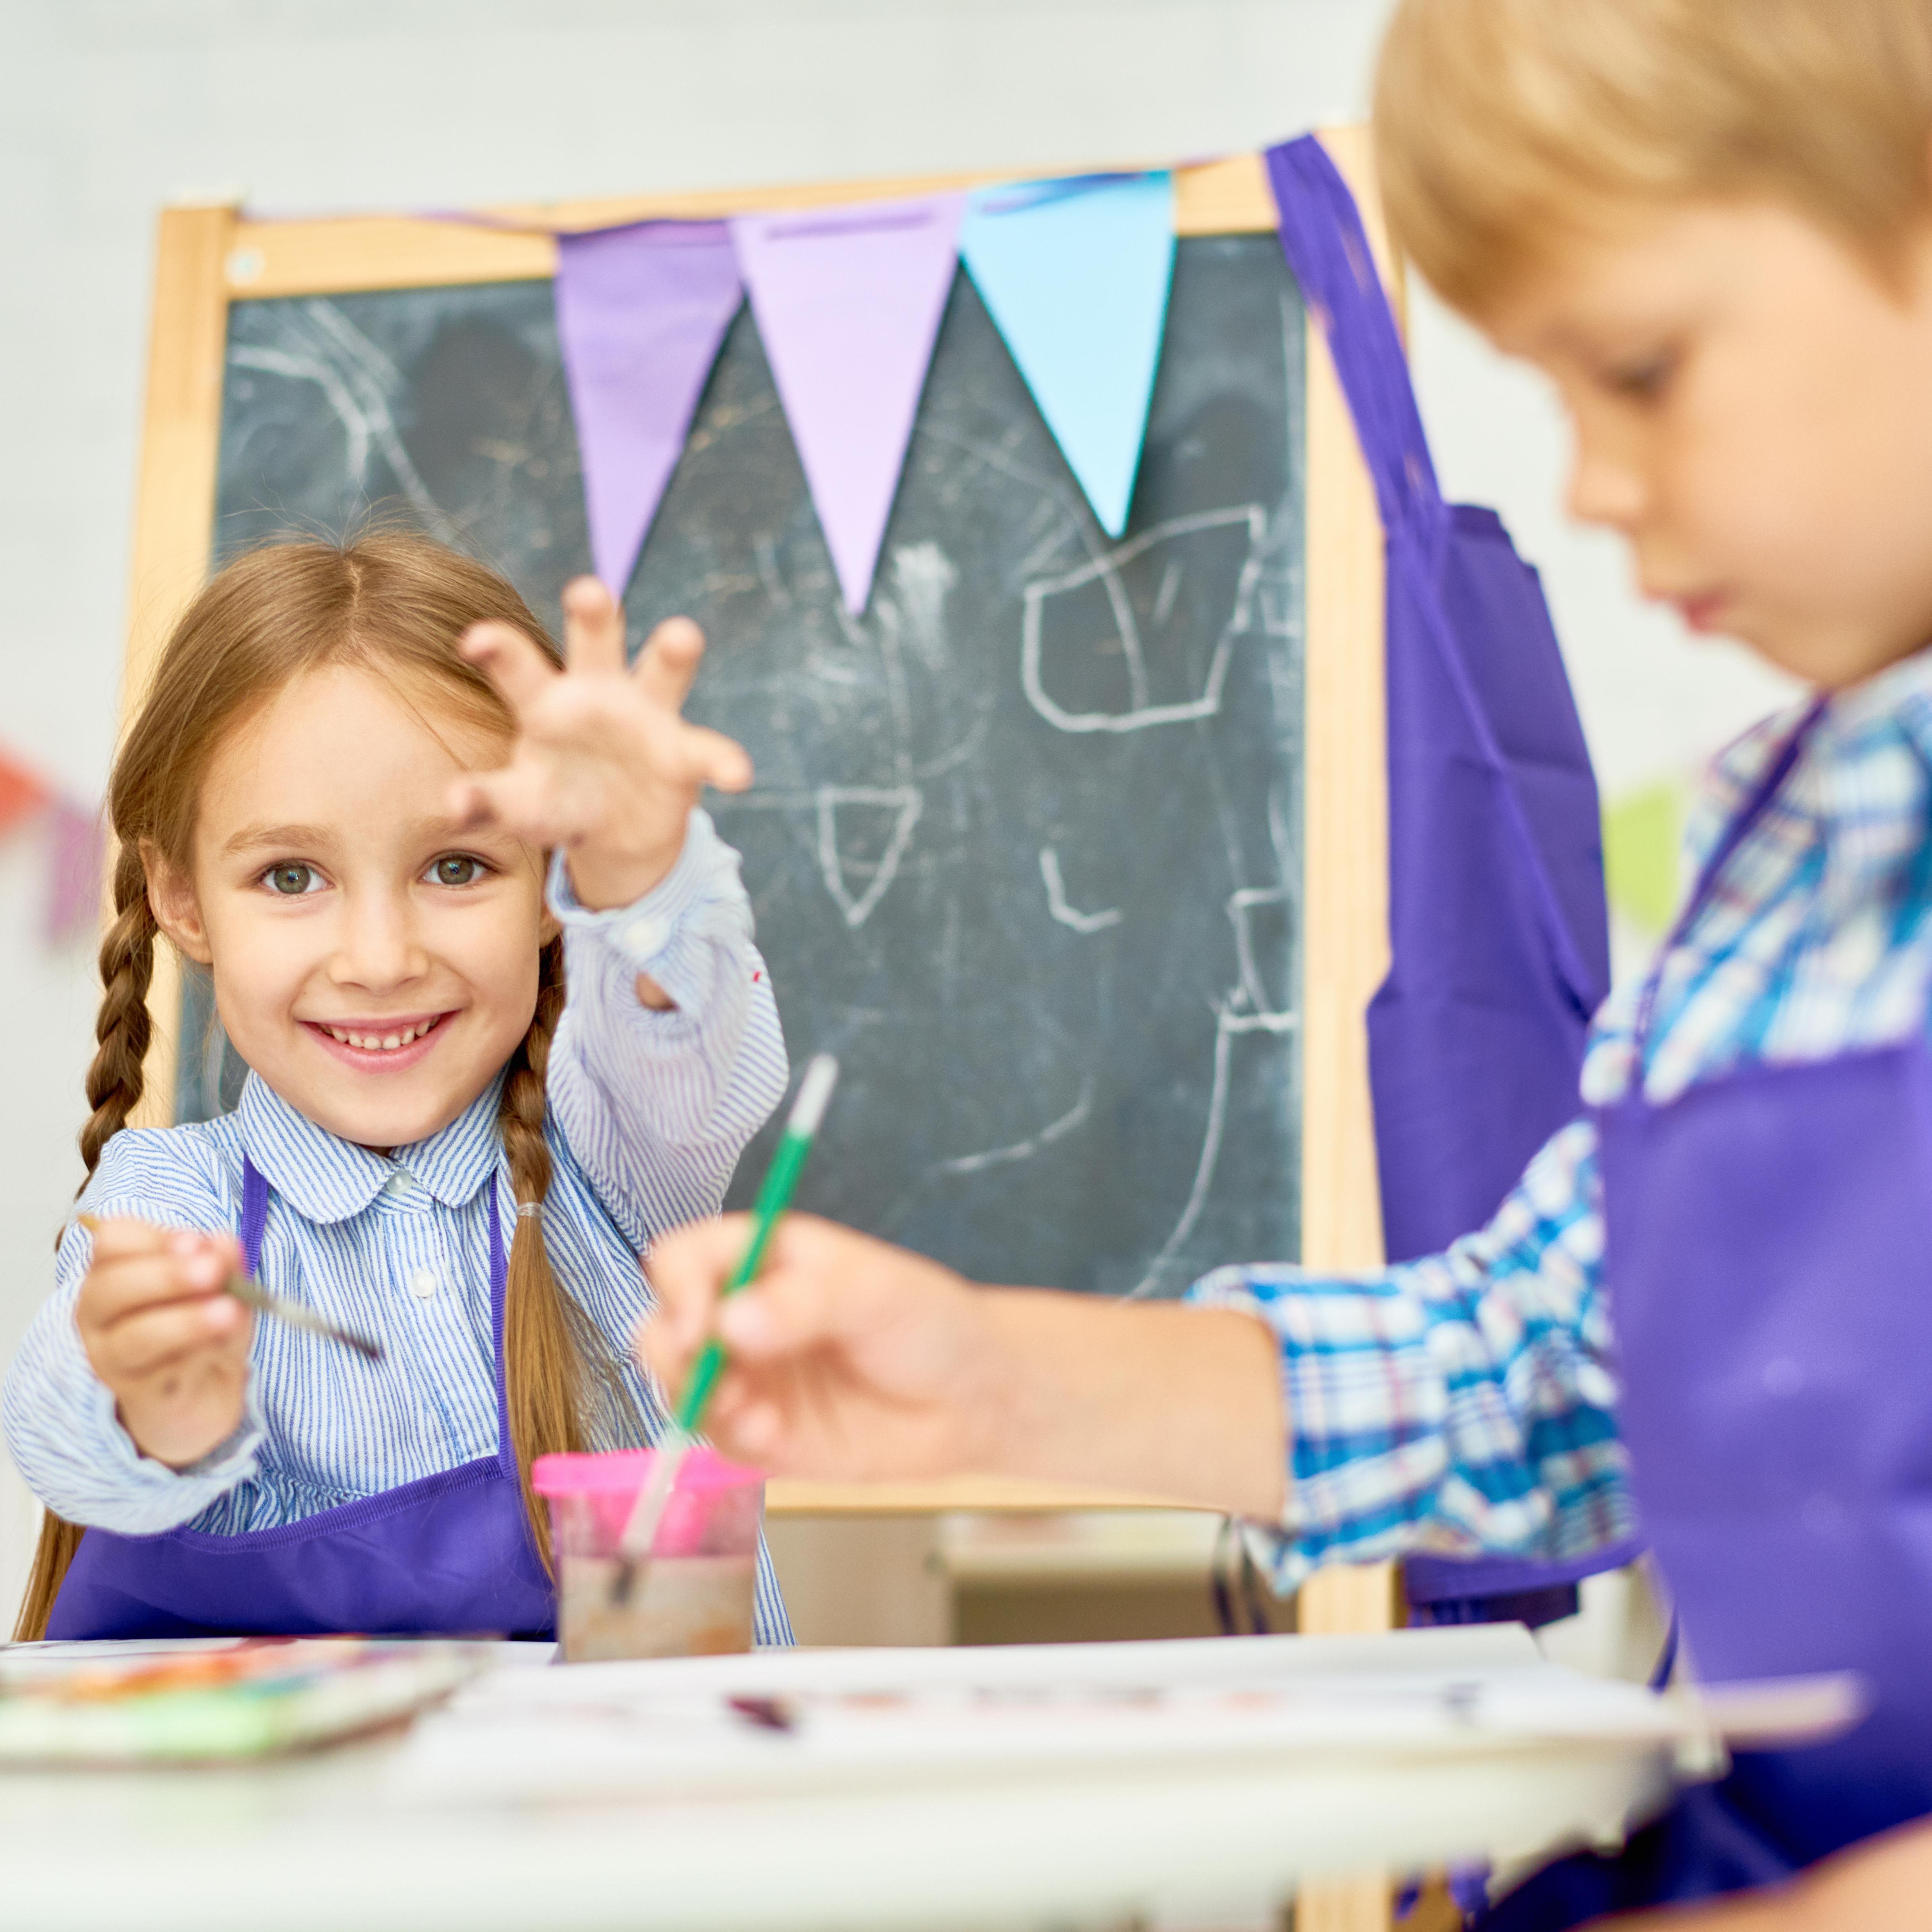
(342, 1843)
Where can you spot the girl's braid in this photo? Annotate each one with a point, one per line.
(122, 1029)
(543, 1364)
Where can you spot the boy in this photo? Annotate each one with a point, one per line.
(1711, 225)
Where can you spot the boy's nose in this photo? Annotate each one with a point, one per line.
(1605, 490)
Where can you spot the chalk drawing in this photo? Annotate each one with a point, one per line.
(906, 801)
(357, 379)
(1056, 899)
(1075, 1117)
(1105, 571)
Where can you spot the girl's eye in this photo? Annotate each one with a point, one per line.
(456, 869)
(292, 882)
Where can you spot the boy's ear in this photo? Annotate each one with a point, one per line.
(171, 898)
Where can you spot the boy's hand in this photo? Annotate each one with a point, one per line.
(604, 765)
(161, 1333)
(847, 1358)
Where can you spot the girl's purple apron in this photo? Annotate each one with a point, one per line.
(1768, 1235)
(1499, 946)
(1768, 1250)
(448, 1554)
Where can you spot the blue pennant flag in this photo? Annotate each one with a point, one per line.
(1075, 275)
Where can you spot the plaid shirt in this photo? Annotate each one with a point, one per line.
(1466, 1402)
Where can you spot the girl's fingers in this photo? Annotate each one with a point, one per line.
(169, 1333)
(519, 796)
(593, 628)
(669, 661)
(124, 1289)
(716, 760)
(510, 661)
(122, 1237)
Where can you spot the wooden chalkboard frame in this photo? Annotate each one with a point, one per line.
(208, 256)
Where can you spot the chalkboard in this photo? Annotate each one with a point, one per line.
(1025, 847)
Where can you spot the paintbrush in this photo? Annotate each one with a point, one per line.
(251, 1294)
(640, 1531)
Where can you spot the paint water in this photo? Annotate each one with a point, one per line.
(676, 1607)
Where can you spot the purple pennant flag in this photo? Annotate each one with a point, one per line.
(640, 313)
(848, 301)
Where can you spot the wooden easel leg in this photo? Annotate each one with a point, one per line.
(1347, 1600)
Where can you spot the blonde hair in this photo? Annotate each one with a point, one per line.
(1506, 130)
(397, 605)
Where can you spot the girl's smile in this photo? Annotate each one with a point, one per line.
(372, 962)
(381, 1046)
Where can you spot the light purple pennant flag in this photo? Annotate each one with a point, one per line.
(72, 903)
(848, 302)
(641, 314)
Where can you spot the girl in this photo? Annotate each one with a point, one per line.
(1708, 1306)
(335, 800)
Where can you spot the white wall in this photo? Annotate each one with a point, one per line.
(108, 107)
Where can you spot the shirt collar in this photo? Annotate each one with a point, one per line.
(1897, 699)
(326, 1178)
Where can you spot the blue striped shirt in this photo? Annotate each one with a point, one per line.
(1467, 1402)
(648, 1113)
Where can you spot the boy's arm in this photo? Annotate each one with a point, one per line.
(60, 1422)
(658, 1103)
(1452, 1404)
(1460, 1404)
(1883, 1885)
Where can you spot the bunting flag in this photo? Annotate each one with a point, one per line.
(23, 792)
(72, 899)
(1075, 275)
(641, 314)
(848, 301)
(72, 907)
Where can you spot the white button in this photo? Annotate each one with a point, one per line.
(645, 938)
(423, 1284)
(399, 1184)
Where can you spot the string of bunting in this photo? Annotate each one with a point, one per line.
(848, 300)
(71, 897)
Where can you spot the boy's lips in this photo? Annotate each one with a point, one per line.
(1701, 612)
(382, 1046)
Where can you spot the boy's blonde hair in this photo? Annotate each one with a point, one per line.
(1506, 130)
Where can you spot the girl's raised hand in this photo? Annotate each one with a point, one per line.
(163, 1335)
(604, 765)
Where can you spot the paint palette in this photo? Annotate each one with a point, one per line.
(208, 1702)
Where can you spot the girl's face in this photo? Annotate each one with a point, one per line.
(371, 965)
(1752, 411)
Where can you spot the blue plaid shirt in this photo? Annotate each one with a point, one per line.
(1466, 1402)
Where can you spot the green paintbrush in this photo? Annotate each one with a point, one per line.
(640, 1531)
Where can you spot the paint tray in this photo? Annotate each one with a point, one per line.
(214, 1702)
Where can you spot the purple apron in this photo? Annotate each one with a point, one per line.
(449, 1553)
(1499, 936)
(1768, 1252)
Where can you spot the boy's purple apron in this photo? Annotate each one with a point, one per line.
(1498, 938)
(1768, 1257)
(448, 1554)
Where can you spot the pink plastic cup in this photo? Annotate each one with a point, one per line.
(695, 1595)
